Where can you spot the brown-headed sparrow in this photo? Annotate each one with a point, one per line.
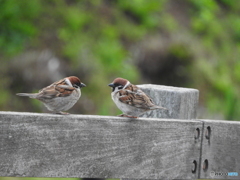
(60, 95)
(130, 99)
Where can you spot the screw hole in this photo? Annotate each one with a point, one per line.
(205, 165)
(194, 166)
(197, 133)
(208, 132)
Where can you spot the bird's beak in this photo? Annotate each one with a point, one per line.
(82, 85)
(111, 85)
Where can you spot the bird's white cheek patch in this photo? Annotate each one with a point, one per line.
(68, 82)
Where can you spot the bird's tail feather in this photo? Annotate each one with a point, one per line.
(31, 95)
(159, 107)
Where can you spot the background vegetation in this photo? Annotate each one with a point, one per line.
(187, 43)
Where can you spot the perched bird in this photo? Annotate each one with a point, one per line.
(130, 99)
(60, 95)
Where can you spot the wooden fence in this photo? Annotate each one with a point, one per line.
(177, 146)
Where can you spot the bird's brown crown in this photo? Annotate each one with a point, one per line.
(74, 80)
(120, 81)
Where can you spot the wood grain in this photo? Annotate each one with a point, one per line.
(221, 150)
(46, 145)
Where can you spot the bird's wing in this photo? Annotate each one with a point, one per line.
(134, 96)
(57, 89)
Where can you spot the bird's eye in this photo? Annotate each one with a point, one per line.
(76, 86)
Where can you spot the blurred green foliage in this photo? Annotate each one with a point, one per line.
(217, 25)
(16, 24)
(96, 40)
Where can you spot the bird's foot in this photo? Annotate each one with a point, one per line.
(124, 115)
(62, 113)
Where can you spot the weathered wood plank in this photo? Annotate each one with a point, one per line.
(221, 149)
(45, 145)
(182, 103)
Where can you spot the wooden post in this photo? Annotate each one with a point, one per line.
(181, 103)
(220, 150)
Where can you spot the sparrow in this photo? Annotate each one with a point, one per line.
(60, 95)
(130, 99)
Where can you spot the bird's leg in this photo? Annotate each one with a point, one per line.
(124, 115)
(62, 113)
